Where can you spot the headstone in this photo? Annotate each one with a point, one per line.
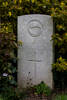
(35, 56)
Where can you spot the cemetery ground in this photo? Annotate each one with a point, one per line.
(55, 96)
(38, 92)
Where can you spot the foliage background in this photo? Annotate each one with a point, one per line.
(9, 10)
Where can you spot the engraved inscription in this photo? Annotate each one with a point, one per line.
(35, 60)
(35, 28)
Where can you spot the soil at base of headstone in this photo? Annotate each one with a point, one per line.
(36, 97)
(30, 95)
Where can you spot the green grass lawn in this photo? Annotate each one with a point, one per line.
(60, 97)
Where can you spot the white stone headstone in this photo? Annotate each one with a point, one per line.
(35, 56)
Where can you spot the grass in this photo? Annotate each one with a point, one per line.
(60, 97)
(1, 97)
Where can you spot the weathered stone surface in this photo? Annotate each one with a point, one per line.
(35, 56)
